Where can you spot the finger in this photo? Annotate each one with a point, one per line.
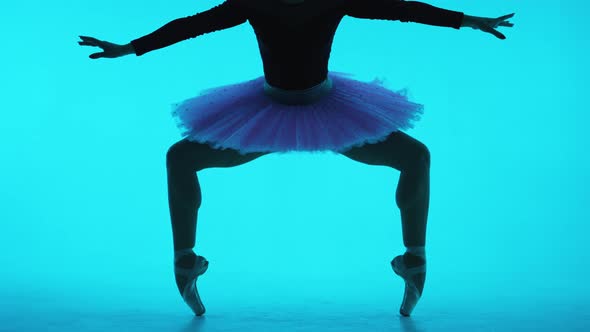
(86, 37)
(90, 39)
(87, 41)
(506, 17)
(96, 55)
(498, 34)
(493, 32)
(502, 24)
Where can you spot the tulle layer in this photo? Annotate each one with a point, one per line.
(243, 117)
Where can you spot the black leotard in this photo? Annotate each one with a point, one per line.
(295, 40)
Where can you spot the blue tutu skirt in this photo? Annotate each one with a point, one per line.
(334, 116)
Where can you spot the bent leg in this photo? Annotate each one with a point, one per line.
(412, 158)
(183, 160)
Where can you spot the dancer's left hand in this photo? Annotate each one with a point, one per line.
(489, 25)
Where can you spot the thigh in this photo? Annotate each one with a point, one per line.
(399, 150)
(198, 156)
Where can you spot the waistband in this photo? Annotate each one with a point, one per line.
(298, 97)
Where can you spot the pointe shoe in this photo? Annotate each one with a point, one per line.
(411, 293)
(190, 293)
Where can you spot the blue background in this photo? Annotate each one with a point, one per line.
(298, 239)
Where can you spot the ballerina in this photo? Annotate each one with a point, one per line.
(297, 105)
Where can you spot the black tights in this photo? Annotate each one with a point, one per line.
(400, 151)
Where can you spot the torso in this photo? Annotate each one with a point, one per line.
(295, 40)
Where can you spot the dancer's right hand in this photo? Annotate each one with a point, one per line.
(110, 50)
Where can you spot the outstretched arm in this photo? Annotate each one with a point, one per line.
(420, 12)
(404, 11)
(223, 16)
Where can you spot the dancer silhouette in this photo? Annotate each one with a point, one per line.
(297, 105)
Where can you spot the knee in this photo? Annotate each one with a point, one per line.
(175, 156)
(420, 159)
(424, 156)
